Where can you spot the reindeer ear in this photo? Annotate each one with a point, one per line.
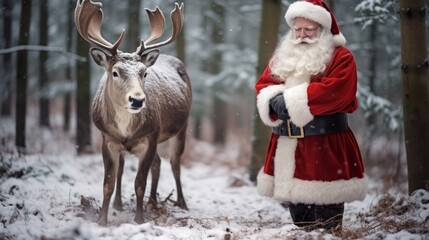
(100, 57)
(150, 57)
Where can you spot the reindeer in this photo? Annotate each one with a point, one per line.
(143, 99)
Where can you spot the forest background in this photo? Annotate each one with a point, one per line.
(224, 49)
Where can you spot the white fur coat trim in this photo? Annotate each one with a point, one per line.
(296, 99)
(265, 184)
(263, 101)
(319, 192)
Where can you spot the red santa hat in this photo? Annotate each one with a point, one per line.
(317, 11)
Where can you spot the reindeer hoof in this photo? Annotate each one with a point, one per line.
(152, 203)
(182, 205)
(139, 219)
(102, 221)
(117, 205)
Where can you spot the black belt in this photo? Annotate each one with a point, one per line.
(319, 125)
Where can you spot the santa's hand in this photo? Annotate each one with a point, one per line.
(277, 104)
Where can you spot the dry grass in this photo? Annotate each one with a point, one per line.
(392, 214)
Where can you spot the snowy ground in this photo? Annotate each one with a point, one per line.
(58, 195)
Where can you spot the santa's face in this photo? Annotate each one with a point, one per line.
(302, 54)
(305, 30)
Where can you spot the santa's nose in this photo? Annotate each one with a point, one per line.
(301, 34)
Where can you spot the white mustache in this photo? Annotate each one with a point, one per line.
(305, 40)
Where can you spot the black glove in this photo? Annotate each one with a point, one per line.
(277, 105)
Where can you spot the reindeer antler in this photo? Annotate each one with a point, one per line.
(157, 20)
(88, 18)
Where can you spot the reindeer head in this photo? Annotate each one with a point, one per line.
(125, 72)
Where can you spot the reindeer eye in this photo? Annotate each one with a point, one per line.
(115, 74)
(145, 74)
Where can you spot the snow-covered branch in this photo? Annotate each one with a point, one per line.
(373, 105)
(371, 11)
(41, 48)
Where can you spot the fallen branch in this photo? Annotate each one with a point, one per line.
(168, 197)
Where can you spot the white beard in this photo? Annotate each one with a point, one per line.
(298, 62)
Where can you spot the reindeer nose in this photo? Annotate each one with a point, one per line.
(136, 103)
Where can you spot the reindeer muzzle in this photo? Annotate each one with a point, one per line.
(136, 103)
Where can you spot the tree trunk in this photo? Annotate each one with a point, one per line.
(133, 31)
(6, 100)
(370, 121)
(268, 38)
(197, 110)
(415, 98)
(21, 83)
(180, 43)
(43, 57)
(83, 120)
(68, 74)
(219, 106)
(372, 77)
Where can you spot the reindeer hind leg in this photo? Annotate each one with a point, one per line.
(178, 148)
(155, 169)
(146, 154)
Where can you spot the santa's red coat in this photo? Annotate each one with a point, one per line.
(322, 169)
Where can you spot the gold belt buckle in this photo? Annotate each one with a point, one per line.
(289, 131)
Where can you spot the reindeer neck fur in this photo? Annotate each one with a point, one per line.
(123, 120)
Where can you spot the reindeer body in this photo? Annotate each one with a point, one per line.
(143, 99)
(167, 99)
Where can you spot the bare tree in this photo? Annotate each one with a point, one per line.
(217, 24)
(7, 34)
(83, 98)
(180, 43)
(415, 98)
(268, 38)
(372, 67)
(43, 57)
(133, 24)
(198, 89)
(68, 73)
(21, 83)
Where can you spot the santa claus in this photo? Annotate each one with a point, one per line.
(305, 93)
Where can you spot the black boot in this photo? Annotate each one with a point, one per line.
(311, 216)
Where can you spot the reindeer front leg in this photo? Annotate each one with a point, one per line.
(117, 202)
(110, 152)
(145, 152)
